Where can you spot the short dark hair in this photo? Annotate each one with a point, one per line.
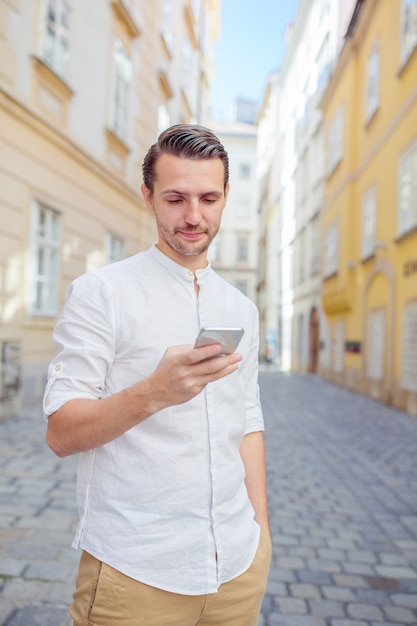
(186, 141)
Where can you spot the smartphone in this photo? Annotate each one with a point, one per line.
(228, 336)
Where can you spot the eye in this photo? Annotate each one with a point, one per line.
(209, 200)
(174, 200)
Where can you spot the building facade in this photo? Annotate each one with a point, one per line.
(369, 288)
(234, 252)
(84, 90)
(291, 178)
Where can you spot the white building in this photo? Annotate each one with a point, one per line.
(233, 253)
(313, 44)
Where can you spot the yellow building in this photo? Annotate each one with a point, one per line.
(85, 87)
(369, 278)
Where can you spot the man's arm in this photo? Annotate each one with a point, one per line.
(182, 373)
(252, 451)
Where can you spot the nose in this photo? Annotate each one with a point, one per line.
(193, 213)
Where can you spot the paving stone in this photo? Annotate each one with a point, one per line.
(364, 611)
(342, 594)
(291, 605)
(38, 616)
(305, 590)
(400, 615)
(405, 600)
(276, 619)
(390, 571)
(344, 580)
(326, 608)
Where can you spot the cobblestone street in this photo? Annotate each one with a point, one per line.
(342, 475)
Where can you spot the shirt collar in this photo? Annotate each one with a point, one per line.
(179, 270)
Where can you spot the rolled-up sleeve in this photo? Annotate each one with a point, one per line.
(84, 340)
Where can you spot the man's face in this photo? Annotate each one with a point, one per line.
(188, 200)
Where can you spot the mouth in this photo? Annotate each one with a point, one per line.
(191, 235)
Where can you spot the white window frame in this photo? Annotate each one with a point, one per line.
(163, 117)
(243, 206)
(114, 248)
(245, 171)
(45, 260)
(338, 348)
(372, 82)
(314, 246)
(376, 344)
(242, 249)
(409, 361)
(242, 285)
(122, 78)
(335, 140)
(167, 22)
(369, 210)
(331, 254)
(56, 35)
(407, 190)
(408, 37)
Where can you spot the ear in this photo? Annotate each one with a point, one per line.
(226, 191)
(147, 196)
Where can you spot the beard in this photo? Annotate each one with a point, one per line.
(190, 249)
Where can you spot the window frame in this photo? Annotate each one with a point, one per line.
(372, 81)
(44, 286)
(407, 168)
(56, 56)
(408, 41)
(369, 213)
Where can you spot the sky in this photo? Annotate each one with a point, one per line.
(250, 46)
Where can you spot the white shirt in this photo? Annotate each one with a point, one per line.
(161, 501)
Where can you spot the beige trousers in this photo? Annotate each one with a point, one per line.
(105, 597)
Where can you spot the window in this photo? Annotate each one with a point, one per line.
(368, 222)
(409, 378)
(115, 248)
(332, 250)
(56, 38)
(339, 344)
(372, 88)
(408, 28)
(335, 141)
(314, 247)
(407, 192)
(163, 118)
(122, 76)
(45, 239)
(376, 330)
(242, 285)
(244, 171)
(242, 249)
(242, 206)
(215, 248)
(301, 255)
(190, 85)
(167, 23)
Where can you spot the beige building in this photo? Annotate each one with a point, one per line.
(85, 87)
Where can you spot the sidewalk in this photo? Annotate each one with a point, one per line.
(342, 484)
(37, 522)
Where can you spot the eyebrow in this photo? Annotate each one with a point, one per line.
(176, 192)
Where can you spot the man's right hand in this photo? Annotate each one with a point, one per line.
(184, 371)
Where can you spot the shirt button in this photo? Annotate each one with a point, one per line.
(57, 368)
(190, 273)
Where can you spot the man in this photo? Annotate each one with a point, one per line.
(171, 481)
